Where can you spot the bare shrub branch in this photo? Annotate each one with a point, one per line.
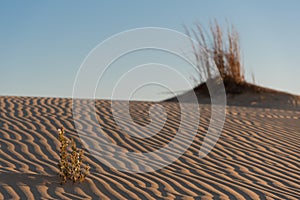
(223, 50)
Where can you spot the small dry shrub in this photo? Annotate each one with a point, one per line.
(70, 164)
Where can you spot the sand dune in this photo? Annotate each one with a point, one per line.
(256, 157)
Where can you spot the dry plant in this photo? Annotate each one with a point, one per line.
(223, 50)
(70, 164)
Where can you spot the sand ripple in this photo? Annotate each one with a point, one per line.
(256, 157)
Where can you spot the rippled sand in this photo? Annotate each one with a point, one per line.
(256, 157)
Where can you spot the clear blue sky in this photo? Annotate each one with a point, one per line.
(43, 43)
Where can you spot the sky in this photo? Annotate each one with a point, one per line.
(44, 43)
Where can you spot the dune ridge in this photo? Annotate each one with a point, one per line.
(256, 157)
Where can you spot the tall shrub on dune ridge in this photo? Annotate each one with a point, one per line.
(222, 49)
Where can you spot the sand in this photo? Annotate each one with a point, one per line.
(256, 157)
